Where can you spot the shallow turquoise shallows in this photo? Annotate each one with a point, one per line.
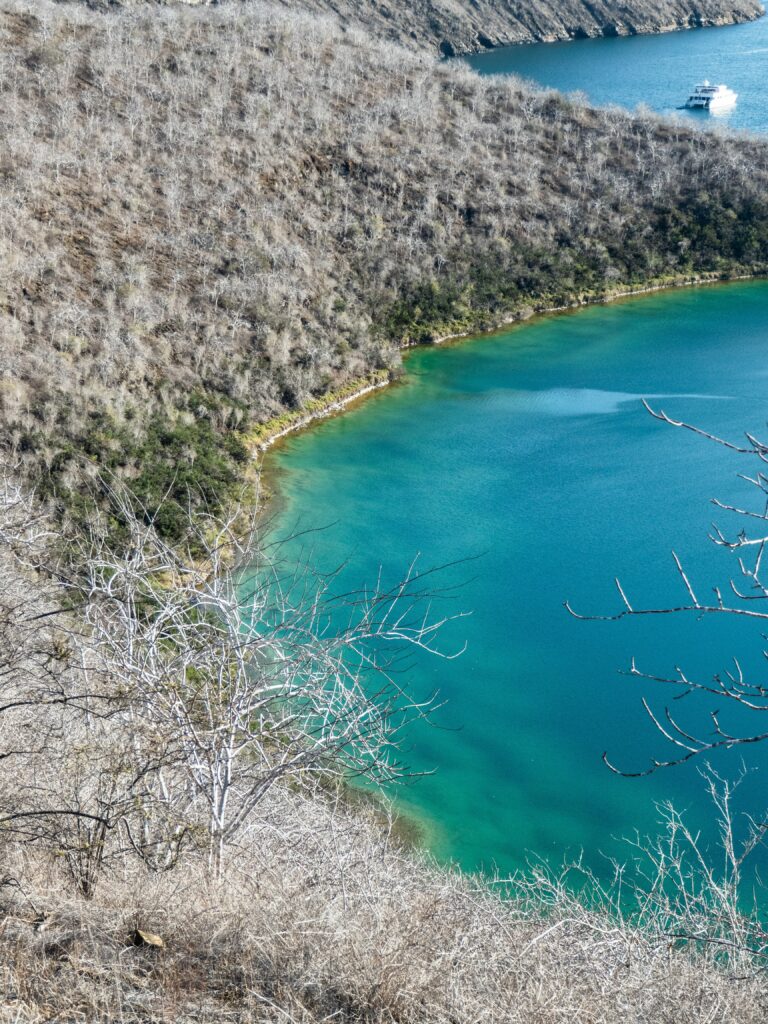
(658, 71)
(531, 453)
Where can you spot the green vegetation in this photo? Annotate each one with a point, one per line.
(315, 408)
(176, 467)
(489, 291)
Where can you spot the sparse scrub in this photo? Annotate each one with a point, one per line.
(448, 26)
(212, 218)
(321, 917)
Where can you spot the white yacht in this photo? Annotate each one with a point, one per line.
(714, 98)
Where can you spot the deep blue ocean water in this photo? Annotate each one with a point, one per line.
(658, 71)
(531, 453)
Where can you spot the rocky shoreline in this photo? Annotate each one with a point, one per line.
(335, 403)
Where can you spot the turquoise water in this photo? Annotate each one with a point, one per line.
(658, 71)
(531, 453)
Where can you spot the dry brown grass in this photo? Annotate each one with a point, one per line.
(225, 202)
(321, 918)
(320, 914)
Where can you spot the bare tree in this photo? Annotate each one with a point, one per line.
(47, 690)
(238, 670)
(746, 596)
(152, 695)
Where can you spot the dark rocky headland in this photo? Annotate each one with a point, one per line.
(453, 27)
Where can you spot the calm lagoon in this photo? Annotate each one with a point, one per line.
(530, 452)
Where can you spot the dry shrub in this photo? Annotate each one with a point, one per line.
(317, 912)
(321, 917)
(449, 27)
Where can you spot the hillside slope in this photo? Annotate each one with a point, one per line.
(321, 919)
(112, 912)
(453, 26)
(212, 216)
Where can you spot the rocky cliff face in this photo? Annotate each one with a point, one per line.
(457, 26)
(463, 26)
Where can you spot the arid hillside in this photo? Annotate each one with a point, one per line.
(453, 26)
(214, 215)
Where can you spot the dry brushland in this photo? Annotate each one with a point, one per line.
(453, 26)
(215, 219)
